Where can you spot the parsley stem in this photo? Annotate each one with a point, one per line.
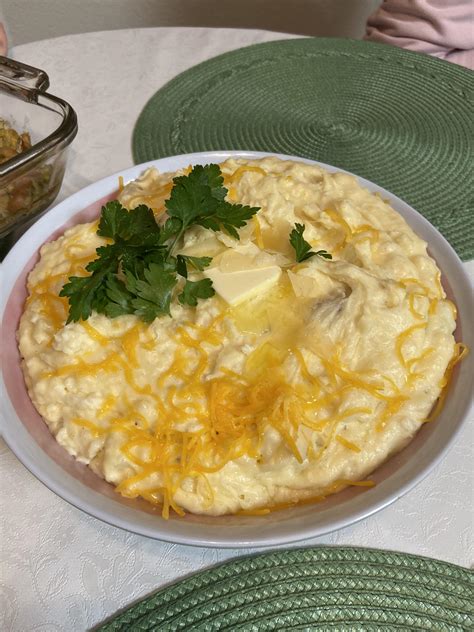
(175, 241)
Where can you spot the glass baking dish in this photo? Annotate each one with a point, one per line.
(30, 181)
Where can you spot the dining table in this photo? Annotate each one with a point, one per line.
(62, 569)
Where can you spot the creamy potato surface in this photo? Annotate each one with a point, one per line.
(292, 382)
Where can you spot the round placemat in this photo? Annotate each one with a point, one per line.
(323, 588)
(398, 118)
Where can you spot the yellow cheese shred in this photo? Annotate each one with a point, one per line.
(94, 334)
(130, 342)
(239, 172)
(460, 351)
(52, 307)
(107, 405)
(433, 306)
(367, 232)
(347, 444)
(407, 281)
(94, 429)
(420, 358)
(402, 338)
(258, 233)
(411, 301)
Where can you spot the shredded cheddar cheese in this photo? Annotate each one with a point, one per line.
(258, 233)
(412, 299)
(238, 173)
(94, 429)
(347, 444)
(403, 337)
(94, 333)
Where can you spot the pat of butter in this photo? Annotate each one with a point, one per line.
(238, 286)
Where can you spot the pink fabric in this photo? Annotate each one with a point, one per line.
(3, 40)
(442, 28)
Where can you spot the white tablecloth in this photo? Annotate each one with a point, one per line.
(63, 570)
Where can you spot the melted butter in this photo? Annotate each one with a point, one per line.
(338, 219)
(335, 487)
(277, 313)
(366, 232)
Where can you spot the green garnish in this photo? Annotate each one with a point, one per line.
(196, 289)
(302, 247)
(138, 272)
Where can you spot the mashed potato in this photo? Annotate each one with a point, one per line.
(292, 382)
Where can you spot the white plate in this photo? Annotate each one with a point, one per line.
(30, 440)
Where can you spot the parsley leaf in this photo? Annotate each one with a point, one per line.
(88, 293)
(302, 248)
(198, 198)
(194, 290)
(82, 293)
(153, 294)
(171, 228)
(229, 217)
(198, 263)
(181, 267)
(118, 223)
(192, 197)
(323, 253)
(120, 299)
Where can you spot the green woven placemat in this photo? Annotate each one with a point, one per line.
(400, 119)
(323, 588)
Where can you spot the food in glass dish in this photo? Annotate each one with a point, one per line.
(11, 142)
(25, 192)
(238, 338)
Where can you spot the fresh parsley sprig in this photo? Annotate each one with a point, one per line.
(138, 272)
(302, 248)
